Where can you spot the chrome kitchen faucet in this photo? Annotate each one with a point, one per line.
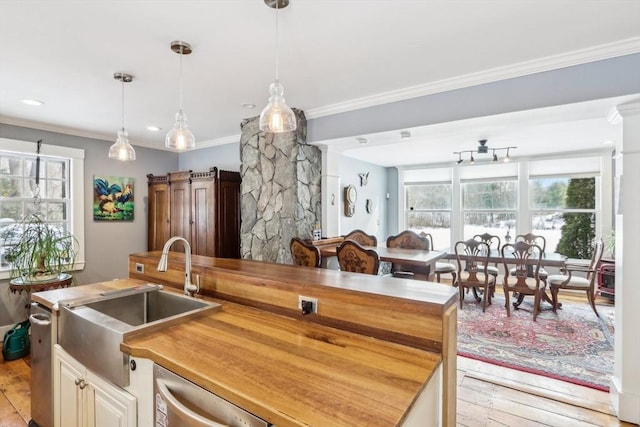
(189, 288)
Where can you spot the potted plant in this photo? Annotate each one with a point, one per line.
(38, 251)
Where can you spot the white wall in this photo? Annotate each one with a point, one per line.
(376, 189)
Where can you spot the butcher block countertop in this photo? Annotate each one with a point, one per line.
(287, 371)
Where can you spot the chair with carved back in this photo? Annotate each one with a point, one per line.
(363, 238)
(534, 239)
(409, 240)
(472, 257)
(356, 259)
(304, 254)
(441, 267)
(525, 279)
(493, 242)
(568, 280)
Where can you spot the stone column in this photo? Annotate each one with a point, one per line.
(280, 190)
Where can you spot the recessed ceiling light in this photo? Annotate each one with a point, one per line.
(362, 140)
(248, 106)
(33, 102)
(154, 128)
(609, 142)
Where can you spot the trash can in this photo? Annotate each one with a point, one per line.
(16, 342)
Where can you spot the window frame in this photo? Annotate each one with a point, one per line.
(464, 211)
(75, 199)
(449, 211)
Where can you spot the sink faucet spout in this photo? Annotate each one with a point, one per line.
(189, 288)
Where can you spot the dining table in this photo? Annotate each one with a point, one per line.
(417, 257)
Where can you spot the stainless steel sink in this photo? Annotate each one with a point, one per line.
(91, 329)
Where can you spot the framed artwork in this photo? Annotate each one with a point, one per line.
(113, 198)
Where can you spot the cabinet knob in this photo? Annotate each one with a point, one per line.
(80, 383)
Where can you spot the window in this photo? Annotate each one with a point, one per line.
(563, 211)
(490, 207)
(429, 210)
(60, 189)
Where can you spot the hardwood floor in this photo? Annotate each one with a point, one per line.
(488, 395)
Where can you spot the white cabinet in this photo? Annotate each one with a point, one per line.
(83, 399)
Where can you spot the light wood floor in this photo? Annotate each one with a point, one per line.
(488, 395)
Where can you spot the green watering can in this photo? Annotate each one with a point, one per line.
(16, 342)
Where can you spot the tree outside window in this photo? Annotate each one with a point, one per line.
(563, 211)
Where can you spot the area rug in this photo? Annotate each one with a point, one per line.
(573, 345)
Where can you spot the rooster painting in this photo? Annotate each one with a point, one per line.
(113, 198)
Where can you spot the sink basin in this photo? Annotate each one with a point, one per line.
(91, 329)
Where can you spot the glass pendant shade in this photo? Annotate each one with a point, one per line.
(277, 116)
(122, 150)
(180, 137)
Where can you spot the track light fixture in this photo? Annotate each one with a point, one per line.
(483, 149)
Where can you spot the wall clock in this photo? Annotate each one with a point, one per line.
(350, 196)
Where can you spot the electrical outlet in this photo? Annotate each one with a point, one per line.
(139, 268)
(307, 305)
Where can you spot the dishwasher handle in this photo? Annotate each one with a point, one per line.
(191, 418)
(40, 319)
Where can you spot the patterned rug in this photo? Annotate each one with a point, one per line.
(572, 345)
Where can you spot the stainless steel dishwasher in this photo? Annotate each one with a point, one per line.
(179, 402)
(41, 374)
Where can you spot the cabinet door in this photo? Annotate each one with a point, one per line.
(203, 233)
(68, 396)
(109, 406)
(228, 215)
(180, 211)
(158, 230)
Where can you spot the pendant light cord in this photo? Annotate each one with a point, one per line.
(122, 80)
(180, 97)
(277, 44)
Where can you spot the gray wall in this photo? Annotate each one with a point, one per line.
(224, 157)
(595, 80)
(107, 245)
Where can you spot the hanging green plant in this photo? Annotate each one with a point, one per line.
(38, 251)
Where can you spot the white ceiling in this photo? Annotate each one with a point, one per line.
(334, 55)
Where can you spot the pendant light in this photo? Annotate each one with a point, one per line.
(180, 137)
(277, 116)
(122, 150)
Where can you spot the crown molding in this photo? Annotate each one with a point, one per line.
(596, 53)
(109, 138)
(591, 54)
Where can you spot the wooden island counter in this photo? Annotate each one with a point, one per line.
(373, 352)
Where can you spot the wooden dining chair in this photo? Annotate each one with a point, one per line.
(409, 240)
(534, 239)
(527, 258)
(304, 254)
(577, 283)
(493, 242)
(354, 258)
(363, 238)
(441, 267)
(472, 257)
